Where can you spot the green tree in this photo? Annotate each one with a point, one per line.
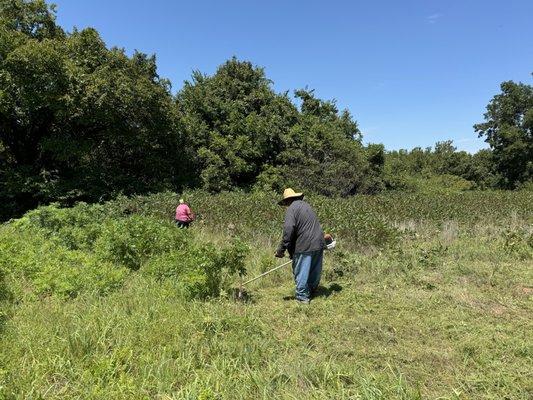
(508, 129)
(78, 120)
(234, 122)
(322, 152)
(35, 19)
(481, 170)
(244, 134)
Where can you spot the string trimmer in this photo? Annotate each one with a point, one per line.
(241, 293)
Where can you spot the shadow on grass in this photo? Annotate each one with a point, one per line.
(322, 291)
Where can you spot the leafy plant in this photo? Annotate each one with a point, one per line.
(36, 265)
(198, 270)
(232, 258)
(518, 242)
(68, 273)
(77, 228)
(132, 240)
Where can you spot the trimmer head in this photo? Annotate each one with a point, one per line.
(240, 294)
(330, 242)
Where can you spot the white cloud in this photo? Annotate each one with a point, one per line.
(433, 18)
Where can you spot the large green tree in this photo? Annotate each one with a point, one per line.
(234, 122)
(323, 152)
(78, 120)
(508, 129)
(240, 133)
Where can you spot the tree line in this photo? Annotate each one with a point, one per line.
(81, 121)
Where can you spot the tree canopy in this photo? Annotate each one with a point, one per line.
(508, 129)
(82, 121)
(78, 121)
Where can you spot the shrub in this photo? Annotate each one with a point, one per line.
(198, 270)
(53, 218)
(60, 251)
(518, 242)
(76, 228)
(444, 183)
(527, 186)
(195, 270)
(232, 258)
(68, 273)
(133, 240)
(33, 264)
(22, 252)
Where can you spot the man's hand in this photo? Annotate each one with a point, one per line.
(279, 254)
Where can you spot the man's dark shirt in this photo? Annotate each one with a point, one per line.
(302, 232)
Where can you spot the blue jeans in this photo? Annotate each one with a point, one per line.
(307, 268)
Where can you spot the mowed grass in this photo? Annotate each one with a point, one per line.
(443, 312)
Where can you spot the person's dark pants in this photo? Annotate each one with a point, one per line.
(307, 269)
(183, 224)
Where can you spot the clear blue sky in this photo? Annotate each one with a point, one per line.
(412, 72)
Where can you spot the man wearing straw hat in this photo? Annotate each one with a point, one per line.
(303, 238)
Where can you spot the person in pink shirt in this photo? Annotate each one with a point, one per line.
(184, 215)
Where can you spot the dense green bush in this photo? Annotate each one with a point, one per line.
(429, 184)
(93, 248)
(35, 265)
(518, 242)
(68, 273)
(195, 271)
(408, 169)
(76, 228)
(106, 230)
(132, 240)
(198, 269)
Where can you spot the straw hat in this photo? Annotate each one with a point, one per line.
(290, 194)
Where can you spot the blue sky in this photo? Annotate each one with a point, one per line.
(411, 72)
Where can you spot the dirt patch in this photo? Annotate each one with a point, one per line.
(498, 309)
(486, 307)
(525, 290)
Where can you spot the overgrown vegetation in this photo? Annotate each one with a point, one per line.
(426, 296)
(90, 249)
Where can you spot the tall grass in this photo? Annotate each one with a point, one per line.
(421, 299)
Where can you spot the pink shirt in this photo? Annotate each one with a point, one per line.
(183, 213)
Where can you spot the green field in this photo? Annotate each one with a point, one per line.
(426, 296)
